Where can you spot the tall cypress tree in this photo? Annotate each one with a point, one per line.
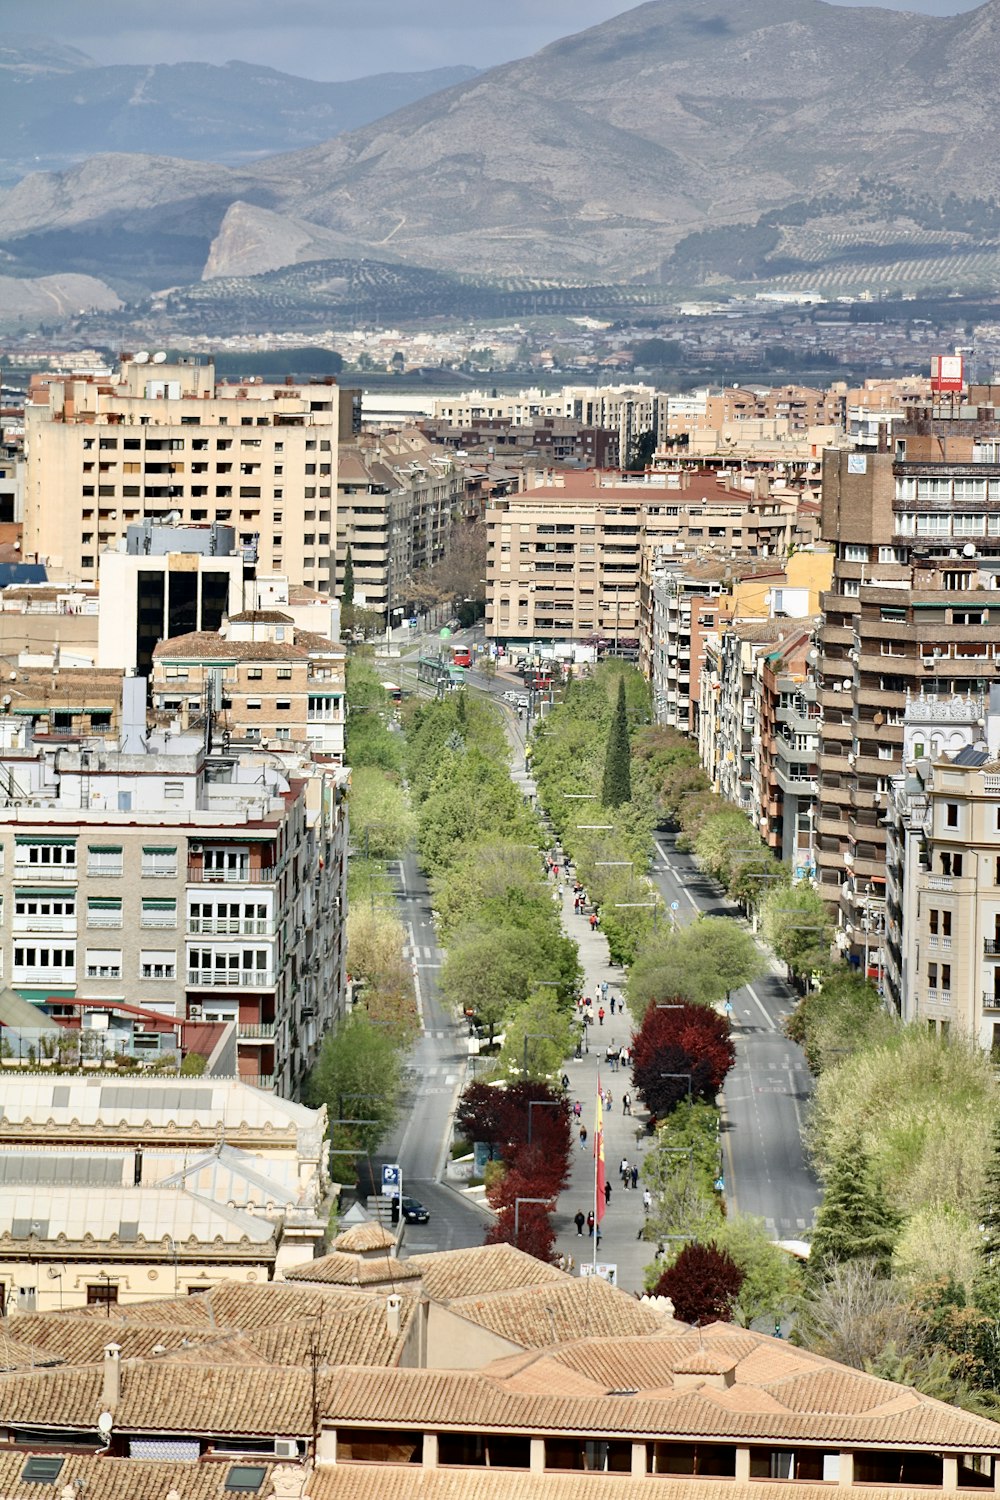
(347, 591)
(617, 785)
(854, 1221)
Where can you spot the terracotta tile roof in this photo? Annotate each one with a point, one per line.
(539, 1316)
(260, 617)
(449, 1274)
(101, 1478)
(206, 644)
(354, 1270)
(78, 1341)
(370, 1236)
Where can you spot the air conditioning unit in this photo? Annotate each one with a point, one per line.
(195, 1012)
(286, 1448)
(194, 847)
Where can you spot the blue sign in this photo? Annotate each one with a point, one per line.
(391, 1179)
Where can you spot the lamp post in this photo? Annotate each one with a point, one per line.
(539, 1104)
(517, 1214)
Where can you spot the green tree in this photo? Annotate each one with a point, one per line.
(347, 587)
(487, 972)
(795, 922)
(989, 1207)
(617, 784)
(771, 1280)
(702, 962)
(854, 1221)
(357, 1076)
(550, 1030)
(382, 824)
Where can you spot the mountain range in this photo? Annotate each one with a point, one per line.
(687, 140)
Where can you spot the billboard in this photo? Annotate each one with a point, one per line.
(947, 372)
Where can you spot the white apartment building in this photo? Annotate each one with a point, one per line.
(166, 442)
(208, 887)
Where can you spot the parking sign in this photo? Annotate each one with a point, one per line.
(391, 1177)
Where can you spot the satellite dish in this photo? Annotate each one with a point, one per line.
(105, 1423)
(142, 358)
(160, 357)
(969, 550)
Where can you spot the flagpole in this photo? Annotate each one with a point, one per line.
(598, 1158)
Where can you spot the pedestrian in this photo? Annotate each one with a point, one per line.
(623, 1168)
(583, 1137)
(612, 1004)
(579, 1221)
(604, 989)
(607, 1194)
(626, 1171)
(593, 920)
(600, 1016)
(626, 1104)
(623, 1057)
(647, 1200)
(591, 1221)
(635, 1177)
(597, 919)
(565, 1080)
(577, 1108)
(607, 1099)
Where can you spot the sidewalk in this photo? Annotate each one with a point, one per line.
(624, 1136)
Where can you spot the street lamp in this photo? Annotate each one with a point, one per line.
(540, 1104)
(517, 1213)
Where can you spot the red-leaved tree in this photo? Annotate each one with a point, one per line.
(681, 1039)
(702, 1283)
(535, 1235)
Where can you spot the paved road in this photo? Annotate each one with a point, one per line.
(767, 1173)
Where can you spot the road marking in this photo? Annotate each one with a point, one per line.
(760, 1006)
(416, 980)
(683, 888)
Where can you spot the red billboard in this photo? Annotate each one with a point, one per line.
(947, 372)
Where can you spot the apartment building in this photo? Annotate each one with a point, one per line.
(196, 886)
(629, 411)
(258, 681)
(157, 441)
(917, 535)
(558, 441)
(785, 778)
(400, 498)
(729, 727)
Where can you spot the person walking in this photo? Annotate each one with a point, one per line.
(583, 1137)
(577, 1108)
(623, 1058)
(626, 1104)
(626, 1174)
(635, 1177)
(579, 1221)
(565, 1080)
(612, 1004)
(593, 920)
(591, 1222)
(623, 1167)
(607, 1100)
(647, 1200)
(600, 1016)
(607, 1194)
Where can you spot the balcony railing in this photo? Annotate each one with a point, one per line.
(991, 947)
(231, 926)
(991, 1000)
(244, 876)
(45, 872)
(65, 925)
(245, 979)
(256, 1031)
(43, 976)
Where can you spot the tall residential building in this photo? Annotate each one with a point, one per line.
(166, 442)
(630, 411)
(917, 535)
(206, 887)
(400, 498)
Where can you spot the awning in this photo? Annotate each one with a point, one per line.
(48, 838)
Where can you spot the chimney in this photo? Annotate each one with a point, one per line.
(112, 1389)
(393, 1305)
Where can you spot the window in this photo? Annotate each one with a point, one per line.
(159, 911)
(855, 552)
(951, 864)
(946, 978)
(173, 791)
(34, 959)
(255, 673)
(157, 965)
(951, 815)
(284, 674)
(101, 1294)
(159, 863)
(932, 976)
(45, 857)
(41, 1469)
(244, 1479)
(104, 911)
(932, 921)
(104, 963)
(104, 860)
(282, 704)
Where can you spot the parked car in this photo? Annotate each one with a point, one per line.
(414, 1212)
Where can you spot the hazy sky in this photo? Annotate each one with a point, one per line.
(327, 39)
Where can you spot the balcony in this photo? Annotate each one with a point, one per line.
(229, 926)
(991, 947)
(44, 976)
(46, 874)
(242, 876)
(64, 925)
(255, 1031)
(991, 1000)
(244, 979)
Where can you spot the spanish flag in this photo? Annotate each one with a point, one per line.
(599, 1195)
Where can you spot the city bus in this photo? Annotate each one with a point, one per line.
(461, 656)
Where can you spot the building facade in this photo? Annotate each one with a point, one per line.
(158, 442)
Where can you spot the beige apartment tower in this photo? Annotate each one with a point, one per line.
(166, 441)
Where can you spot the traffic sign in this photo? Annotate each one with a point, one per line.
(392, 1177)
(675, 906)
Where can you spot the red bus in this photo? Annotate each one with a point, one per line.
(461, 656)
